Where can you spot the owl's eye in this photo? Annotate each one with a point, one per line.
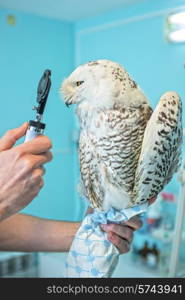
(78, 83)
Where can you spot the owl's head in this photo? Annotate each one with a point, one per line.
(100, 83)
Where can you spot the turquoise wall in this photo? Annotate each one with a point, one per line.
(26, 50)
(134, 37)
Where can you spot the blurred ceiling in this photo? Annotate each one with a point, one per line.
(69, 10)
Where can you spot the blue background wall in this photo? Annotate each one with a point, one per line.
(133, 36)
(26, 50)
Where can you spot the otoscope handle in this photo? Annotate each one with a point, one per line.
(30, 135)
(34, 129)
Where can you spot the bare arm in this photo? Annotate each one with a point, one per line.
(31, 234)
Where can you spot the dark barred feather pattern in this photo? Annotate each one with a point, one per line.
(117, 149)
(161, 149)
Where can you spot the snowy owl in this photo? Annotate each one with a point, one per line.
(127, 152)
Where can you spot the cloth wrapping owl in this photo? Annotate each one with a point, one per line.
(127, 153)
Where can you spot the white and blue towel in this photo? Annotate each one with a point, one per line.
(91, 254)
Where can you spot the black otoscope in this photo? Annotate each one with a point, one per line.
(37, 127)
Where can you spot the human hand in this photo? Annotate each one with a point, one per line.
(21, 170)
(121, 235)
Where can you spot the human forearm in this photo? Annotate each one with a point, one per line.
(31, 234)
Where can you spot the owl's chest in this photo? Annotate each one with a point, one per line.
(105, 123)
(94, 122)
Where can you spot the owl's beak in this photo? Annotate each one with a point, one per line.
(68, 101)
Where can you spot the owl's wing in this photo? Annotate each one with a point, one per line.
(109, 155)
(161, 148)
(90, 185)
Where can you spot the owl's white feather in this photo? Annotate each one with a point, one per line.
(113, 113)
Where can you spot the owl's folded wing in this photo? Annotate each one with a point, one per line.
(161, 149)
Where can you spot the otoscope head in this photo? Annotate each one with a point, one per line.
(43, 91)
(47, 72)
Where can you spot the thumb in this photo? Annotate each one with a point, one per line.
(11, 136)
